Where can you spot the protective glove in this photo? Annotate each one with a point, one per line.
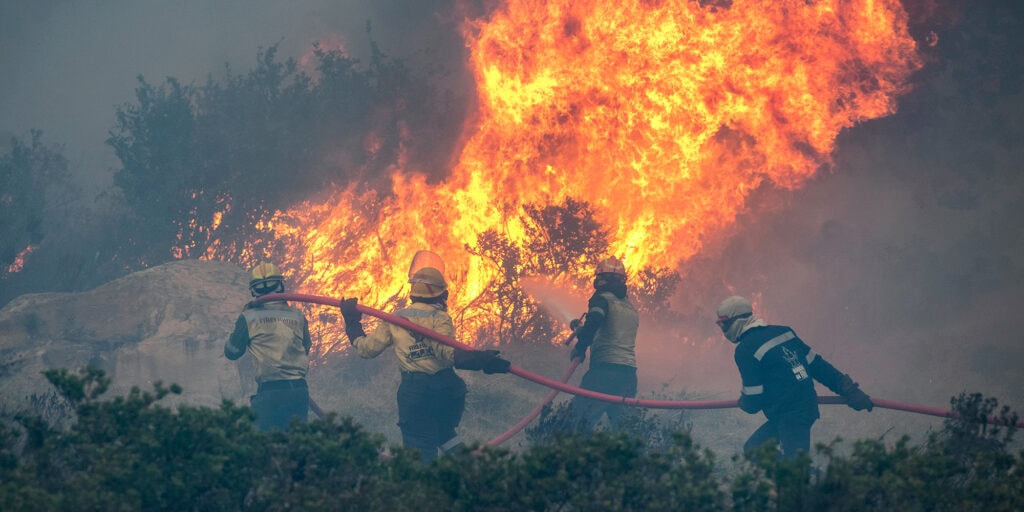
(749, 405)
(859, 400)
(580, 351)
(353, 319)
(855, 398)
(575, 324)
(349, 311)
(485, 360)
(496, 364)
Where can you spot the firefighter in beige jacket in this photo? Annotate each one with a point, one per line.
(431, 397)
(277, 336)
(609, 331)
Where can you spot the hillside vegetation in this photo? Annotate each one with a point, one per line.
(76, 451)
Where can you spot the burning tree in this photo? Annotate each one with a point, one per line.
(634, 129)
(205, 167)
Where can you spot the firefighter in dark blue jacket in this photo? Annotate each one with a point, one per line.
(778, 371)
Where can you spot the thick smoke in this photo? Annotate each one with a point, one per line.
(68, 64)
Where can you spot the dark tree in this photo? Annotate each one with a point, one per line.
(564, 243)
(29, 173)
(202, 165)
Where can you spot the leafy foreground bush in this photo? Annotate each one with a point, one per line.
(131, 453)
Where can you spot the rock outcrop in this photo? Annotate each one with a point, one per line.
(166, 323)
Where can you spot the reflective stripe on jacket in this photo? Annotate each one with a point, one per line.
(778, 370)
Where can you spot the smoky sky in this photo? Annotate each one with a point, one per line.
(901, 262)
(67, 64)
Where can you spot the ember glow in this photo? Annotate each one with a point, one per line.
(19, 261)
(663, 115)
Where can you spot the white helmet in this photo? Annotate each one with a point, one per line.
(733, 307)
(735, 316)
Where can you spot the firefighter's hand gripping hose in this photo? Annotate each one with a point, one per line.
(563, 387)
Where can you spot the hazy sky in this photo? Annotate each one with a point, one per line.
(66, 64)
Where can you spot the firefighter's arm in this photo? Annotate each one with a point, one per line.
(597, 312)
(442, 324)
(371, 345)
(486, 361)
(752, 395)
(838, 382)
(820, 369)
(307, 340)
(238, 342)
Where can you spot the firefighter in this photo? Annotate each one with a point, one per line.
(609, 330)
(431, 397)
(277, 336)
(778, 371)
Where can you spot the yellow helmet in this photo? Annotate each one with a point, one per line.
(427, 283)
(610, 265)
(266, 279)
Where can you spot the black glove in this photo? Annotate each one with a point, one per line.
(580, 351)
(353, 319)
(349, 311)
(496, 364)
(575, 324)
(485, 360)
(855, 398)
(749, 405)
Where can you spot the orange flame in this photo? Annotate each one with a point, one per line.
(19, 261)
(663, 115)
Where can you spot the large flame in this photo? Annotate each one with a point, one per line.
(663, 115)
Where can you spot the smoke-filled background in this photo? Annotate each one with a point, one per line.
(68, 64)
(901, 262)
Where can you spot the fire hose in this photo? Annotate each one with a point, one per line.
(514, 429)
(557, 386)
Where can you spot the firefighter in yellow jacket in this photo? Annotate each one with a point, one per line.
(277, 336)
(431, 397)
(609, 331)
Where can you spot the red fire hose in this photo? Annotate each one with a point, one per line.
(563, 387)
(514, 429)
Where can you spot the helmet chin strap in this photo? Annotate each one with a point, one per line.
(442, 300)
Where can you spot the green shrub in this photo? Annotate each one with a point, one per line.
(131, 453)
